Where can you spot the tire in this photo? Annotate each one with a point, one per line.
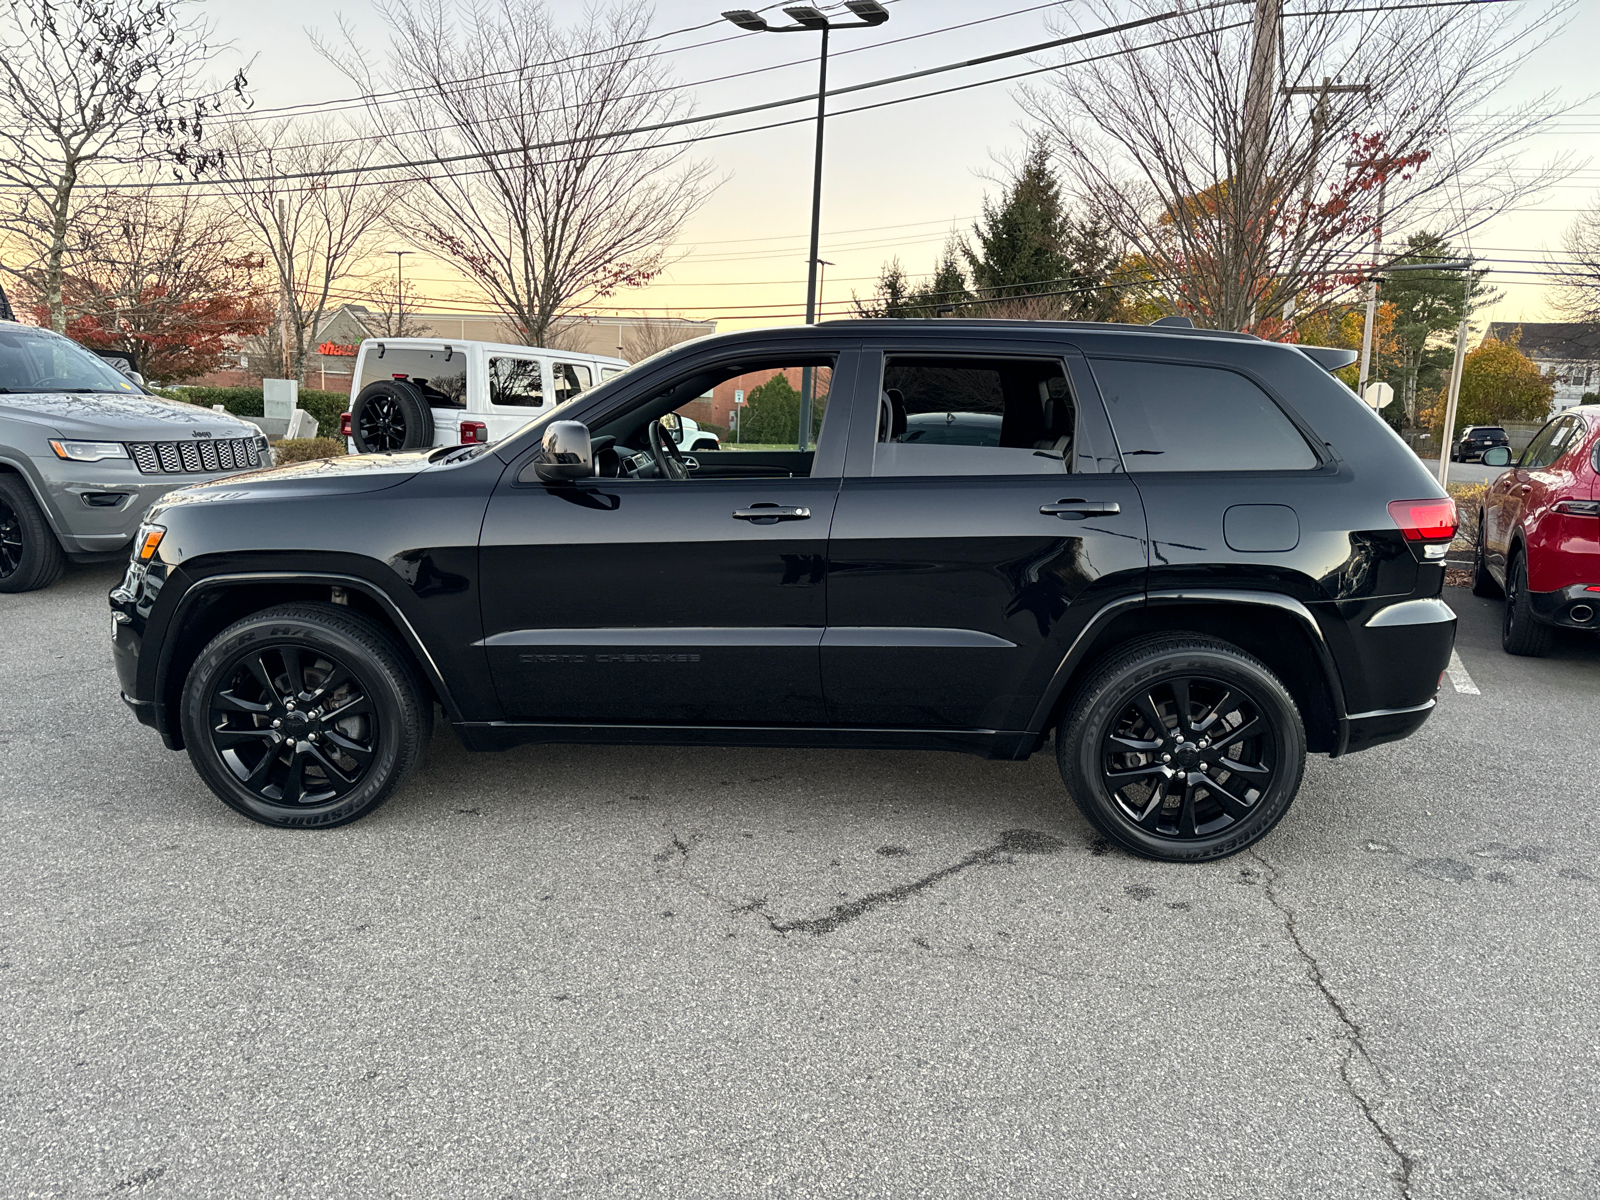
(1483, 583)
(30, 556)
(1216, 811)
(240, 685)
(1521, 632)
(391, 415)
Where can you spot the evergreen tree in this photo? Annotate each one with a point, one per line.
(1426, 303)
(772, 413)
(1022, 241)
(895, 296)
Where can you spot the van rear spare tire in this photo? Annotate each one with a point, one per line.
(390, 415)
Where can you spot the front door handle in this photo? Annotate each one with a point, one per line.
(771, 514)
(1077, 510)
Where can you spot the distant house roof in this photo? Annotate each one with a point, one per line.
(1550, 339)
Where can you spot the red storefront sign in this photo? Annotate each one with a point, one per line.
(335, 348)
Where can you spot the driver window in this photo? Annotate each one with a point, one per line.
(736, 420)
(1539, 451)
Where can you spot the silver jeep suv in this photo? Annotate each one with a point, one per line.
(85, 452)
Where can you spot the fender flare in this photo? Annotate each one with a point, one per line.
(1079, 649)
(366, 587)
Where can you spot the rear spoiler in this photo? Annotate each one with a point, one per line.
(1329, 358)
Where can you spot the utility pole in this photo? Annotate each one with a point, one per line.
(1454, 395)
(283, 286)
(1249, 227)
(1372, 292)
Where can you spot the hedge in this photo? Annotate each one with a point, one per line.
(293, 450)
(325, 407)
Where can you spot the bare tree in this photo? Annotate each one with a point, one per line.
(391, 308)
(313, 223)
(1246, 210)
(651, 335)
(87, 87)
(1577, 295)
(157, 274)
(548, 211)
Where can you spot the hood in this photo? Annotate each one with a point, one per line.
(324, 477)
(109, 416)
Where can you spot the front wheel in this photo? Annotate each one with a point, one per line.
(305, 715)
(1182, 748)
(30, 556)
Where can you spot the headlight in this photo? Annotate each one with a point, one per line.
(148, 541)
(88, 451)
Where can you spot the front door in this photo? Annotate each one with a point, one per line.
(639, 598)
(983, 521)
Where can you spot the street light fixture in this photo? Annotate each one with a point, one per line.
(868, 13)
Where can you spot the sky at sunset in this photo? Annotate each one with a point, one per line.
(900, 179)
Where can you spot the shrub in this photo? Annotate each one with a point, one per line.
(293, 450)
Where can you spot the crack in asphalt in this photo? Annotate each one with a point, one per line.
(1012, 843)
(1353, 1034)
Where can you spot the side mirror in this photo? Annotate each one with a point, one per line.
(1497, 456)
(567, 453)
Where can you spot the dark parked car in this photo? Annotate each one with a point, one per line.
(1475, 440)
(1192, 557)
(1539, 534)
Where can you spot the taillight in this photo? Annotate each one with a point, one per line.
(344, 425)
(1429, 524)
(474, 433)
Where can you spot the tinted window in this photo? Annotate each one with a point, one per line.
(515, 382)
(959, 416)
(1542, 451)
(440, 374)
(1171, 417)
(570, 379)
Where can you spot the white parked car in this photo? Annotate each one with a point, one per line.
(411, 393)
(690, 436)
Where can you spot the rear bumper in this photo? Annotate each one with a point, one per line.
(1566, 607)
(1401, 652)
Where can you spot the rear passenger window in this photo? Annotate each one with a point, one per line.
(514, 382)
(1172, 417)
(961, 416)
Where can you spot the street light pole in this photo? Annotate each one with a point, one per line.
(809, 19)
(399, 288)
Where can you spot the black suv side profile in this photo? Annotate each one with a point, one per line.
(1192, 557)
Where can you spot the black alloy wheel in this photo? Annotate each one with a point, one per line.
(1182, 748)
(30, 555)
(293, 727)
(304, 715)
(10, 540)
(383, 424)
(1522, 633)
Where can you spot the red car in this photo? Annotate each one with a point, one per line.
(1539, 535)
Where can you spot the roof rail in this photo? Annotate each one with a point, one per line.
(1174, 322)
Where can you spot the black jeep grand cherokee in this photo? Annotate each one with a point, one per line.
(1192, 556)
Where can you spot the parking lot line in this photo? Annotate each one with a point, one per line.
(1457, 670)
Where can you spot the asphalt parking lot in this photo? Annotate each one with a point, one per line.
(626, 971)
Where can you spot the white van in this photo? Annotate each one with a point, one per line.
(412, 393)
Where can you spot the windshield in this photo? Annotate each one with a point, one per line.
(36, 360)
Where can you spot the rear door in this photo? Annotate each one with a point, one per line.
(516, 392)
(982, 522)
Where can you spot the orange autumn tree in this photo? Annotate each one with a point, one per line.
(1499, 383)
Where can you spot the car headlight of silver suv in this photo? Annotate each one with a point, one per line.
(88, 451)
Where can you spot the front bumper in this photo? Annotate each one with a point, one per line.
(1575, 607)
(96, 508)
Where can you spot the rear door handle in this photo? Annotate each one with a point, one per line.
(1076, 510)
(770, 514)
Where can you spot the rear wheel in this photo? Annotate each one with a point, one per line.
(1483, 583)
(1182, 748)
(306, 715)
(1521, 632)
(390, 415)
(30, 556)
